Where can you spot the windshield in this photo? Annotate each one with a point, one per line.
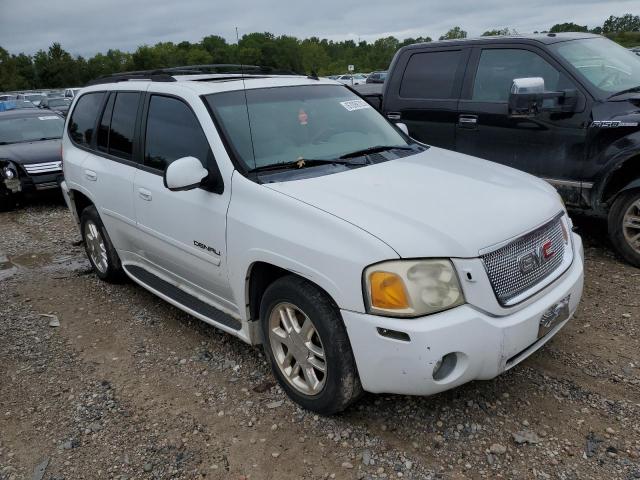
(58, 102)
(603, 63)
(302, 122)
(29, 129)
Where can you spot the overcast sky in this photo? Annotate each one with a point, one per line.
(86, 27)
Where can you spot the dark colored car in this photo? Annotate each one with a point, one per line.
(377, 77)
(59, 105)
(30, 157)
(564, 107)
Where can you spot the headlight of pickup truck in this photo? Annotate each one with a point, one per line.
(411, 288)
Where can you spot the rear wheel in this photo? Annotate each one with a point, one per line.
(308, 347)
(624, 226)
(102, 255)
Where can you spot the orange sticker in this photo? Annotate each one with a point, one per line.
(302, 117)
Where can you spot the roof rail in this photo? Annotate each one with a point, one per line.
(167, 74)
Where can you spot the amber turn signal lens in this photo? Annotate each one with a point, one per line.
(387, 291)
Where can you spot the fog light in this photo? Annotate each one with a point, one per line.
(445, 366)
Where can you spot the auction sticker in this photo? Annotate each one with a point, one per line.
(48, 117)
(352, 105)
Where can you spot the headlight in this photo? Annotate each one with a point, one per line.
(9, 171)
(411, 288)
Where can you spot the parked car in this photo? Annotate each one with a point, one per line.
(292, 214)
(564, 107)
(34, 98)
(30, 158)
(59, 105)
(6, 97)
(635, 50)
(377, 77)
(15, 104)
(355, 79)
(71, 92)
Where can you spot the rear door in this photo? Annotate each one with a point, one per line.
(550, 145)
(182, 234)
(109, 168)
(425, 96)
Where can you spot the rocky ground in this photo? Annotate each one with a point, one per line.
(129, 387)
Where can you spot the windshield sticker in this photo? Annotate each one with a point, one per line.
(49, 117)
(352, 105)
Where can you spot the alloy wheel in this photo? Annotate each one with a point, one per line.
(631, 225)
(96, 247)
(297, 349)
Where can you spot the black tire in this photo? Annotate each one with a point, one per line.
(341, 384)
(617, 214)
(111, 271)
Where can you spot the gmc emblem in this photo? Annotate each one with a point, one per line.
(529, 262)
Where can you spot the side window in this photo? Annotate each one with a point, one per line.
(83, 118)
(498, 68)
(431, 75)
(103, 129)
(123, 124)
(173, 132)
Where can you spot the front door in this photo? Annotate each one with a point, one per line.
(183, 234)
(550, 145)
(426, 97)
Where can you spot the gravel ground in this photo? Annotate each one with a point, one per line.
(129, 387)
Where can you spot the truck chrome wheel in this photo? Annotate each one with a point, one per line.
(631, 226)
(96, 247)
(297, 349)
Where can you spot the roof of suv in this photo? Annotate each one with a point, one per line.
(544, 38)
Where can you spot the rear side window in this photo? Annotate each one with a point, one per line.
(431, 75)
(173, 132)
(123, 123)
(84, 116)
(103, 129)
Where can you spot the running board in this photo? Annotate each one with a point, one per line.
(182, 297)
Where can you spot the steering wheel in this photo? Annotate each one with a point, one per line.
(611, 79)
(324, 134)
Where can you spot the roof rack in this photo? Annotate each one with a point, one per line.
(168, 74)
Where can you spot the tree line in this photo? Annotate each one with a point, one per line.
(55, 67)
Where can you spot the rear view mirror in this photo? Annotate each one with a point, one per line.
(186, 173)
(528, 98)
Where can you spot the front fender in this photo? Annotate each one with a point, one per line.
(631, 185)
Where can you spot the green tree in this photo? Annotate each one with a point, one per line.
(454, 33)
(499, 31)
(625, 23)
(568, 27)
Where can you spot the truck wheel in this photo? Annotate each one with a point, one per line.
(308, 347)
(624, 226)
(97, 244)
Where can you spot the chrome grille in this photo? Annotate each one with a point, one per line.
(503, 264)
(35, 168)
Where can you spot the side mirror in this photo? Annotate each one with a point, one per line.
(528, 98)
(185, 173)
(403, 127)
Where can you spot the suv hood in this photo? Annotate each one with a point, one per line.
(437, 203)
(32, 152)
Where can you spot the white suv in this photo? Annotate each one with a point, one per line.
(288, 212)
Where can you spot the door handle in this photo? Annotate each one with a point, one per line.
(91, 175)
(394, 115)
(145, 194)
(468, 121)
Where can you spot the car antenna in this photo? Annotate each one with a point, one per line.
(246, 102)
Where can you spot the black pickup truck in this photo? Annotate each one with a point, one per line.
(564, 107)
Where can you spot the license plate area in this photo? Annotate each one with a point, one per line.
(554, 315)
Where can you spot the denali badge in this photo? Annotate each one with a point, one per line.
(528, 262)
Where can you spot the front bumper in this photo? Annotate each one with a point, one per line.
(485, 345)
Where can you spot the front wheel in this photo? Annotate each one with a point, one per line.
(308, 347)
(624, 226)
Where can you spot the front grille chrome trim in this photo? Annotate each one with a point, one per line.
(501, 262)
(47, 167)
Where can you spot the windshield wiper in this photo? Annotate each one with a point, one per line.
(376, 149)
(622, 92)
(303, 163)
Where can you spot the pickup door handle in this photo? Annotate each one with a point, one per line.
(394, 115)
(91, 175)
(145, 194)
(468, 121)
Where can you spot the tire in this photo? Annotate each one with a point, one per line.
(339, 385)
(624, 226)
(100, 251)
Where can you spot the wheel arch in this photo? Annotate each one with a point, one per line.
(623, 176)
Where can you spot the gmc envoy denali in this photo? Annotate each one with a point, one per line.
(287, 211)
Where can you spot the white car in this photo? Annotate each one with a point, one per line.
(71, 92)
(355, 79)
(292, 214)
